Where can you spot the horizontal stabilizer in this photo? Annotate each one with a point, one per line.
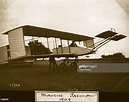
(106, 34)
(118, 37)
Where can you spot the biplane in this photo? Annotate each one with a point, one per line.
(18, 51)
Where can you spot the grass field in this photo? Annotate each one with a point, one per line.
(37, 76)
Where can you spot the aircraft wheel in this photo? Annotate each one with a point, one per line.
(73, 65)
(62, 66)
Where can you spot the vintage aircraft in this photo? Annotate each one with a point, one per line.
(18, 51)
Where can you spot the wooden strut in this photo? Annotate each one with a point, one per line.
(53, 45)
(61, 45)
(56, 46)
(68, 46)
(47, 43)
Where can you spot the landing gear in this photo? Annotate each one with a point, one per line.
(68, 64)
(62, 66)
(65, 65)
(73, 65)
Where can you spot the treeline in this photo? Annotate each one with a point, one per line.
(114, 56)
(37, 48)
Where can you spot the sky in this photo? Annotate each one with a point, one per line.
(86, 17)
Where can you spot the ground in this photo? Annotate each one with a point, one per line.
(37, 76)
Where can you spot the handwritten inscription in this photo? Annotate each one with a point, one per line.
(14, 85)
(66, 96)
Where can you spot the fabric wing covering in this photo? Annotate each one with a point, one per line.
(112, 35)
(45, 32)
(118, 37)
(106, 34)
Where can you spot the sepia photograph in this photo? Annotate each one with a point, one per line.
(64, 47)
